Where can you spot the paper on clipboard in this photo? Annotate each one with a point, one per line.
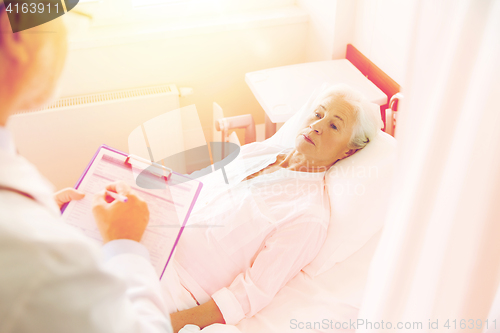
(170, 201)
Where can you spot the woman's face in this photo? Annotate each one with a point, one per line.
(327, 132)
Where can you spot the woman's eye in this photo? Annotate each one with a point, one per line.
(317, 115)
(334, 127)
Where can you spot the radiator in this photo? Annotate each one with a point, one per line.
(61, 138)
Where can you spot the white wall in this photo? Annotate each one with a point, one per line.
(380, 29)
(345, 23)
(321, 34)
(331, 27)
(214, 64)
(383, 32)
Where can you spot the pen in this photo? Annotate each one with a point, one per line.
(117, 196)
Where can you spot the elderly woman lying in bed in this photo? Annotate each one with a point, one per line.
(257, 233)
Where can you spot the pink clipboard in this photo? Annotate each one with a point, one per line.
(174, 175)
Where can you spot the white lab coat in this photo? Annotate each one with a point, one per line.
(52, 279)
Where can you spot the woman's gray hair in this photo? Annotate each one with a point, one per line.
(368, 120)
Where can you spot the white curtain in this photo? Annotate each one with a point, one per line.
(439, 255)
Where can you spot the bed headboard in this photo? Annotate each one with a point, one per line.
(383, 81)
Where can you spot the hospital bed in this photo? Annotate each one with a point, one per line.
(327, 294)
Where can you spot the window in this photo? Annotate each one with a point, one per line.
(112, 12)
(139, 3)
(115, 22)
(169, 12)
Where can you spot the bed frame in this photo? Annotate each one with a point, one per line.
(373, 73)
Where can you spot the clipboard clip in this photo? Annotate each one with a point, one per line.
(155, 168)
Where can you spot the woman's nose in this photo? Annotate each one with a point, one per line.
(316, 128)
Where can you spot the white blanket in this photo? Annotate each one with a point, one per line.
(330, 300)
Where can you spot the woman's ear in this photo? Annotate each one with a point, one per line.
(14, 45)
(349, 153)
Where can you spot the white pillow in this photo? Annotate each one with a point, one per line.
(358, 188)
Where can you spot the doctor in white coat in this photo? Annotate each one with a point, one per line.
(52, 279)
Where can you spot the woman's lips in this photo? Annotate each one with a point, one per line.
(308, 139)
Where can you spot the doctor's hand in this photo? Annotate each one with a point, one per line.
(66, 195)
(120, 220)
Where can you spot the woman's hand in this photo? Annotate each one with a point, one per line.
(201, 315)
(66, 195)
(120, 220)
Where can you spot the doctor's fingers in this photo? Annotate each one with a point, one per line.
(67, 195)
(119, 187)
(102, 200)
